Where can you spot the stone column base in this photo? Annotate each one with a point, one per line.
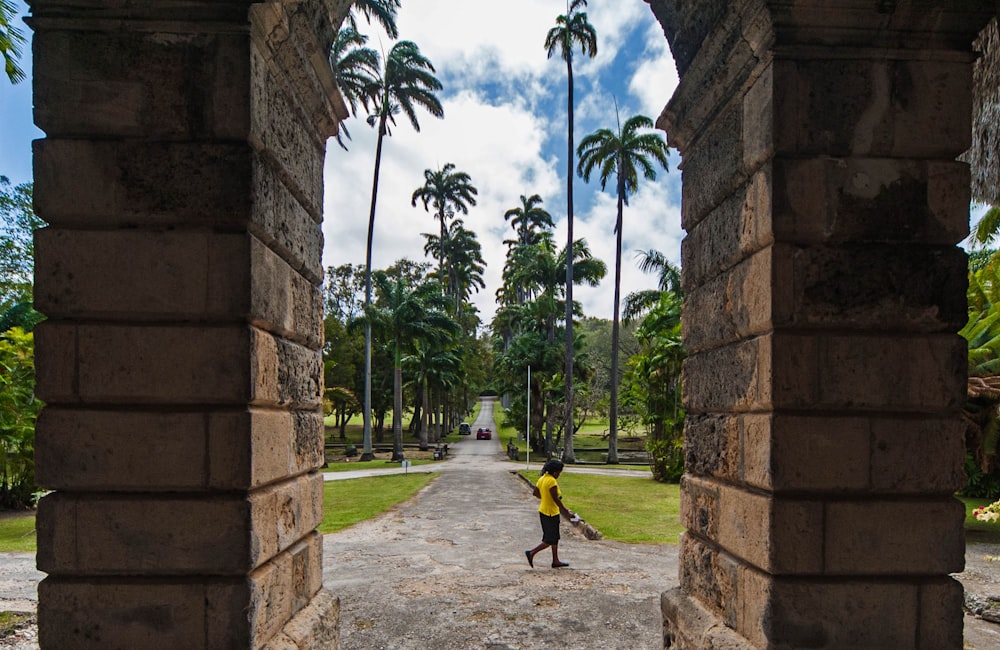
(315, 627)
(689, 626)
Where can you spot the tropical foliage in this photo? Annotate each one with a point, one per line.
(446, 191)
(982, 331)
(18, 410)
(18, 405)
(11, 41)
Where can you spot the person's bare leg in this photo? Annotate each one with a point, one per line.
(531, 554)
(555, 558)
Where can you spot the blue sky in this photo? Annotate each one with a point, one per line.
(505, 125)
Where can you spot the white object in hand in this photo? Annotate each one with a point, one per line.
(575, 519)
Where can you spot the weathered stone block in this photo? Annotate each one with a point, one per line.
(284, 373)
(136, 183)
(699, 508)
(923, 456)
(737, 228)
(283, 223)
(815, 454)
(101, 535)
(894, 537)
(869, 200)
(867, 107)
(283, 514)
(146, 275)
(191, 85)
(56, 353)
(869, 286)
(315, 627)
(734, 305)
(120, 450)
(941, 614)
(727, 378)
(714, 169)
(758, 119)
(256, 448)
(287, 138)
(283, 301)
(710, 576)
(181, 451)
(171, 535)
(816, 614)
(852, 371)
(116, 614)
(712, 446)
(272, 600)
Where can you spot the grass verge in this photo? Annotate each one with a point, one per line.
(346, 503)
(623, 508)
(353, 465)
(17, 532)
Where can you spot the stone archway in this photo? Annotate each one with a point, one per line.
(823, 204)
(181, 176)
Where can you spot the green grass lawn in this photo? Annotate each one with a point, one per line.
(17, 532)
(631, 510)
(345, 503)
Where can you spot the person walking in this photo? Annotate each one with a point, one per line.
(551, 506)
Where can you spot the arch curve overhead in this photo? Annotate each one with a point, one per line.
(820, 144)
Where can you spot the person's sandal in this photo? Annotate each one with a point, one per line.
(531, 560)
(557, 565)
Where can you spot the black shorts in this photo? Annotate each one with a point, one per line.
(550, 529)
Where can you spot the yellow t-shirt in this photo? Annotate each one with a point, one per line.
(548, 505)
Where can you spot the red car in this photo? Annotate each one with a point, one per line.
(484, 434)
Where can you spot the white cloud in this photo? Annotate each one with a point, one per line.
(655, 79)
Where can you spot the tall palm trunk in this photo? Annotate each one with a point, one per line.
(613, 428)
(366, 452)
(425, 416)
(568, 456)
(397, 412)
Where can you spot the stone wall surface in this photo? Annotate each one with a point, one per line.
(823, 203)
(181, 177)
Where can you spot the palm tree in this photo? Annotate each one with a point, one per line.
(406, 82)
(528, 218)
(355, 69)
(464, 257)
(446, 190)
(668, 278)
(623, 154)
(572, 29)
(406, 315)
(11, 40)
(381, 11)
(986, 231)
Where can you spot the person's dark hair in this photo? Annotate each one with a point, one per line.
(552, 466)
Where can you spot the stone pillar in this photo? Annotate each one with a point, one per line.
(181, 176)
(824, 289)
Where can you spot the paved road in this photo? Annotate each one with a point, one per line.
(447, 570)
